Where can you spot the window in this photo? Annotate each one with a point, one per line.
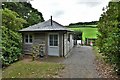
(28, 38)
(69, 37)
(53, 40)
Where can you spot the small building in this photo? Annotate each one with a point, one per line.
(57, 39)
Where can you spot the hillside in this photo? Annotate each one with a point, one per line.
(87, 31)
(84, 24)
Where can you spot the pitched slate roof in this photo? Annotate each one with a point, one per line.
(46, 26)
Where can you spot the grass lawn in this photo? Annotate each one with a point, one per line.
(32, 69)
(87, 32)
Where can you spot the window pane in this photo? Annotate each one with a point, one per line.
(51, 40)
(26, 40)
(51, 43)
(55, 37)
(26, 36)
(51, 37)
(69, 37)
(30, 36)
(30, 40)
(55, 43)
(55, 40)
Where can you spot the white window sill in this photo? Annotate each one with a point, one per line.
(53, 46)
(28, 43)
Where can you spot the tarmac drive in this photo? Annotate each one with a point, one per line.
(80, 63)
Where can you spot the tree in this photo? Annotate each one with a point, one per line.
(11, 46)
(26, 11)
(12, 20)
(11, 40)
(77, 35)
(108, 40)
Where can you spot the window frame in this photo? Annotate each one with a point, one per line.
(53, 39)
(28, 39)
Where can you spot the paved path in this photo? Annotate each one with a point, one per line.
(80, 64)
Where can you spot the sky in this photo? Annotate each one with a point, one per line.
(70, 11)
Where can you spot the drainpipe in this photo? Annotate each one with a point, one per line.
(63, 45)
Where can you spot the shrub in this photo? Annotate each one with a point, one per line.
(11, 46)
(108, 40)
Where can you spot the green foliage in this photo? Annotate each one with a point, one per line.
(11, 46)
(11, 40)
(15, 16)
(11, 20)
(26, 11)
(82, 26)
(77, 35)
(108, 40)
(84, 23)
(87, 32)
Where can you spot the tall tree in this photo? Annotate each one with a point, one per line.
(14, 17)
(11, 40)
(12, 20)
(26, 11)
(109, 38)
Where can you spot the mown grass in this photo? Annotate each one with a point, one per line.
(87, 32)
(32, 69)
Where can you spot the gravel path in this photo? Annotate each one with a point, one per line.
(80, 64)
